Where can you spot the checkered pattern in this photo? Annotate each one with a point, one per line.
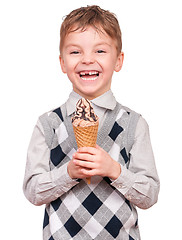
(96, 211)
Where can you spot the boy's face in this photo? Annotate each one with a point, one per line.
(89, 59)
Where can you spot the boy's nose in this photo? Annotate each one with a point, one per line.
(87, 59)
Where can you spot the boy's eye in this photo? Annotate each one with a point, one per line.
(75, 52)
(100, 51)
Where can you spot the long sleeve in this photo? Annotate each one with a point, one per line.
(140, 183)
(42, 185)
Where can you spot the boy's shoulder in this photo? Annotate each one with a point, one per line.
(54, 115)
(128, 111)
(51, 121)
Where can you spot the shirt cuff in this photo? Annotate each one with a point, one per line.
(125, 181)
(63, 181)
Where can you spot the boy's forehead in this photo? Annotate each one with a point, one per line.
(96, 33)
(95, 29)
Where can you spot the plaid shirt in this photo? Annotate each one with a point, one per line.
(99, 210)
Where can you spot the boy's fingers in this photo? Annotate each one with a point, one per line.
(83, 164)
(89, 172)
(83, 156)
(90, 150)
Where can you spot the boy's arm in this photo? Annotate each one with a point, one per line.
(140, 183)
(42, 185)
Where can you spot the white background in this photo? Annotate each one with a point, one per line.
(31, 83)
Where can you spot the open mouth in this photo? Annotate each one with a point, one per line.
(89, 75)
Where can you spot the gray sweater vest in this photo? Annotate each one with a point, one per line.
(94, 215)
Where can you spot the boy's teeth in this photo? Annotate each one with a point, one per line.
(88, 73)
(92, 73)
(82, 73)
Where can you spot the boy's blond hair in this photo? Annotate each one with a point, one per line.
(93, 16)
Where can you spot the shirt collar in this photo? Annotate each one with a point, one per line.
(106, 100)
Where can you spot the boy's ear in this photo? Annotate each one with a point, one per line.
(119, 62)
(62, 64)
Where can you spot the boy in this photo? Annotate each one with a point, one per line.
(121, 167)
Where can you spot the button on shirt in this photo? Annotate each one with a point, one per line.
(139, 183)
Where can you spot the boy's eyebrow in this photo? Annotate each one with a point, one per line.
(103, 43)
(96, 45)
(71, 45)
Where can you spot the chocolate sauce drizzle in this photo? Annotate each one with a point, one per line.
(85, 111)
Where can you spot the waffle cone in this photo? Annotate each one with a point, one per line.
(86, 137)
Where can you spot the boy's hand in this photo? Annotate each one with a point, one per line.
(88, 162)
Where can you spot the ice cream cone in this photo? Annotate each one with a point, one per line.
(85, 125)
(86, 137)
